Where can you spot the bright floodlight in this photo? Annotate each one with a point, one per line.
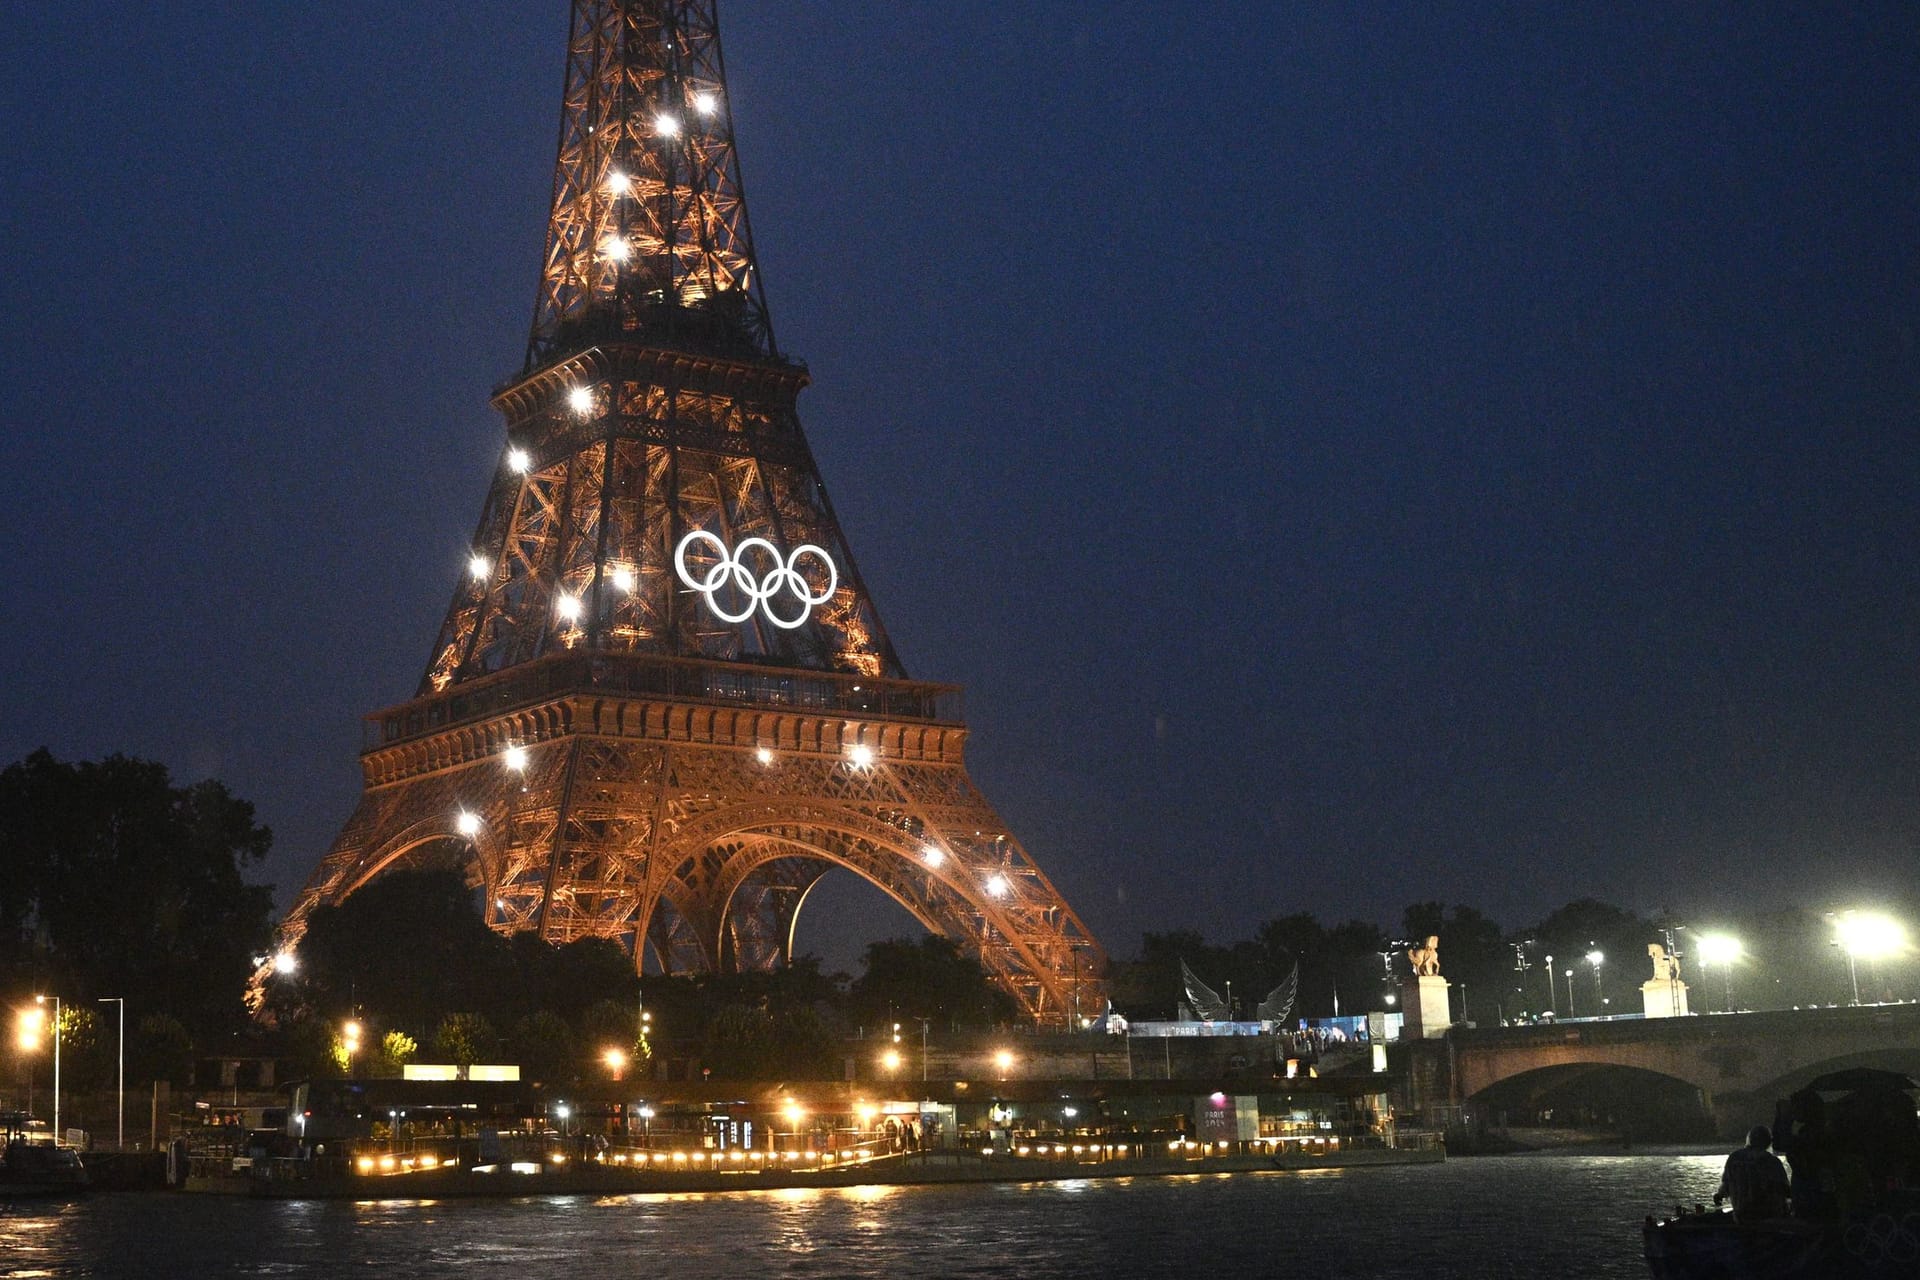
(1871, 936)
(890, 1059)
(763, 754)
(1596, 958)
(706, 103)
(998, 886)
(479, 567)
(27, 1029)
(860, 754)
(1003, 1060)
(619, 183)
(563, 1111)
(624, 580)
(666, 126)
(568, 607)
(468, 823)
(580, 399)
(1718, 949)
(614, 249)
(616, 1059)
(515, 758)
(933, 855)
(518, 460)
(284, 963)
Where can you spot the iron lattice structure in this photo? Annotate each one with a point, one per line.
(662, 705)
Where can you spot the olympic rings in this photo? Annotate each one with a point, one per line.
(759, 584)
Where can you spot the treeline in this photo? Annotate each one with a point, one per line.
(117, 884)
(409, 960)
(1790, 959)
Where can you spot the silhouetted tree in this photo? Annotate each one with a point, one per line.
(119, 883)
(464, 1039)
(927, 978)
(405, 950)
(543, 1045)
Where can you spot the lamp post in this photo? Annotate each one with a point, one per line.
(1719, 950)
(1076, 987)
(1596, 958)
(646, 1127)
(1553, 996)
(56, 1062)
(27, 1024)
(924, 1023)
(120, 1142)
(1867, 935)
(1571, 1011)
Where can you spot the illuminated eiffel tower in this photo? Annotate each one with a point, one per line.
(662, 705)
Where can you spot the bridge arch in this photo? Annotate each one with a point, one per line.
(1740, 1063)
(1635, 1102)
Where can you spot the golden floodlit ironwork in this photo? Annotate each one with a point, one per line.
(596, 742)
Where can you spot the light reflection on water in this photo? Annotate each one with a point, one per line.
(1570, 1217)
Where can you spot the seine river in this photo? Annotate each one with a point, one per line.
(1526, 1216)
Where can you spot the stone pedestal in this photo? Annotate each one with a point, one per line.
(1664, 998)
(1427, 1008)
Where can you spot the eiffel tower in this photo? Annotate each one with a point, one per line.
(662, 705)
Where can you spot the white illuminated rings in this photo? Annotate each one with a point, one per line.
(761, 575)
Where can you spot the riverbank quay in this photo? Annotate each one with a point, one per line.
(311, 1180)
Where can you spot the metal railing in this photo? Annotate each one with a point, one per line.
(645, 675)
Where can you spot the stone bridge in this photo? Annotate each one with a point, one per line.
(1739, 1063)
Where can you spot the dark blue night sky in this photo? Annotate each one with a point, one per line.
(1350, 454)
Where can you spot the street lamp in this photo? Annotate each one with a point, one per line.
(1865, 936)
(28, 1024)
(350, 1043)
(1596, 958)
(1720, 950)
(120, 1142)
(616, 1060)
(890, 1060)
(1571, 1011)
(1553, 997)
(56, 1062)
(646, 1127)
(1003, 1063)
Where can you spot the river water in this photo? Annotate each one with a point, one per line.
(1565, 1217)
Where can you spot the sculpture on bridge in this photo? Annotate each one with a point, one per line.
(1426, 960)
(1666, 968)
